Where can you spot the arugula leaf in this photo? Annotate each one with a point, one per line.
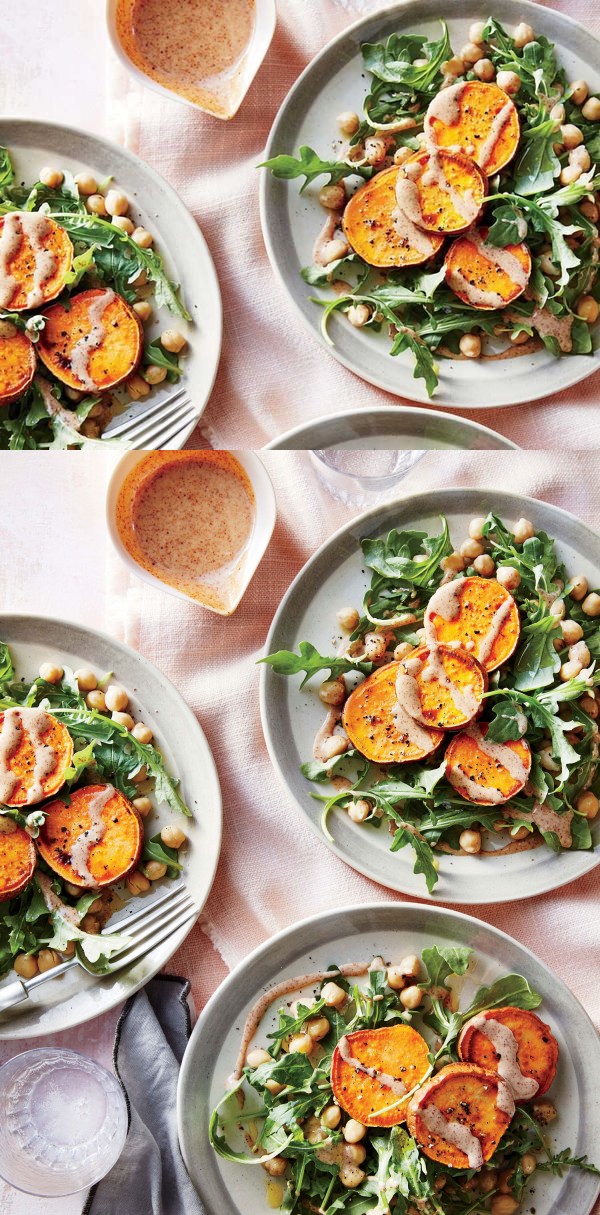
(510, 990)
(537, 165)
(313, 770)
(392, 61)
(155, 850)
(508, 723)
(6, 666)
(441, 961)
(401, 1171)
(155, 353)
(7, 175)
(425, 861)
(537, 661)
(394, 557)
(309, 165)
(286, 662)
(424, 362)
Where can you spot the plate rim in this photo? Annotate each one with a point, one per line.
(267, 674)
(113, 1001)
(283, 441)
(187, 1076)
(406, 392)
(184, 217)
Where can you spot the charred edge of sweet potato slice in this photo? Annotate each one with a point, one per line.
(113, 361)
(438, 210)
(368, 719)
(537, 1050)
(397, 1050)
(370, 229)
(480, 103)
(21, 268)
(17, 365)
(464, 755)
(112, 858)
(469, 272)
(22, 762)
(17, 862)
(479, 599)
(438, 708)
(463, 1093)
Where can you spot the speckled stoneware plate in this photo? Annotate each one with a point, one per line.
(356, 934)
(391, 427)
(333, 83)
(178, 239)
(334, 577)
(75, 997)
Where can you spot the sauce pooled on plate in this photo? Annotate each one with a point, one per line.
(187, 517)
(196, 48)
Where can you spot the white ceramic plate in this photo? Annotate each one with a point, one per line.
(75, 997)
(334, 577)
(332, 83)
(357, 933)
(156, 206)
(391, 427)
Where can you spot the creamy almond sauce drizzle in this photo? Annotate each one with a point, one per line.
(455, 1133)
(88, 342)
(463, 202)
(396, 1086)
(325, 732)
(16, 226)
(546, 819)
(486, 644)
(506, 1046)
(80, 850)
(351, 970)
(408, 206)
(36, 723)
(52, 901)
(558, 327)
(486, 147)
(326, 235)
(411, 730)
(446, 108)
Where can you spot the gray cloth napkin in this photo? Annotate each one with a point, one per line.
(150, 1177)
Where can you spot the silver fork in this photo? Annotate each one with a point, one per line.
(159, 425)
(166, 915)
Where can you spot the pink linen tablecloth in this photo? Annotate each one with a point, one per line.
(212, 662)
(213, 166)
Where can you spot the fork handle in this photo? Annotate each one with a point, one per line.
(14, 994)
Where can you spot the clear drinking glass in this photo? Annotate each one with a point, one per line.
(63, 1122)
(362, 477)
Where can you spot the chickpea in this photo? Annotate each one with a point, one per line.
(116, 698)
(476, 528)
(351, 1176)
(348, 122)
(476, 33)
(591, 604)
(300, 1044)
(173, 341)
(579, 91)
(334, 249)
(587, 804)
(140, 776)
(470, 345)
(523, 35)
(53, 178)
(401, 155)
(509, 82)
(375, 645)
(571, 631)
(470, 841)
(142, 237)
(117, 204)
(95, 204)
(375, 150)
(544, 1111)
(484, 69)
(331, 1117)
(580, 653)
(47, 959)
(123, 719)
(523, 530)
(333, 995)
(590, 210)
(123, 223)
(411, 997)
(90, 923)
(570, 670)
(137, 387)
(173, 837)
(453, 67)
(354, 1131)
(588, 309)
(333, 197)
(142, 732)
(348, 618)
(137, 882)
(96, 700)
(155, 870)
(86, 680)
(355, 1153)
(504, 1204)
(558, 113)
(571, 173)
(317, 1028)
(589, 706)
(558, 609)
(528, 1163)
(51, 673)
(24, 964)
(471, 548)
(591, 109)
(571, 135)
(358, 315)
(153, 374)
(485, 565)
(275, 1167)
(470, 53)
(255, 1058)
(86, 183)
(336, 745)
(580, 156)
(359, 810)
(453, 564)
(143, 805)
(508, 577)
(274, 1088)
(579, 587)
(395, 978)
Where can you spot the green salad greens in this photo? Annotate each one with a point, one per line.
(544, 196)
(47, 914)
(284, 1110)
(543, 694)
(48, 414)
